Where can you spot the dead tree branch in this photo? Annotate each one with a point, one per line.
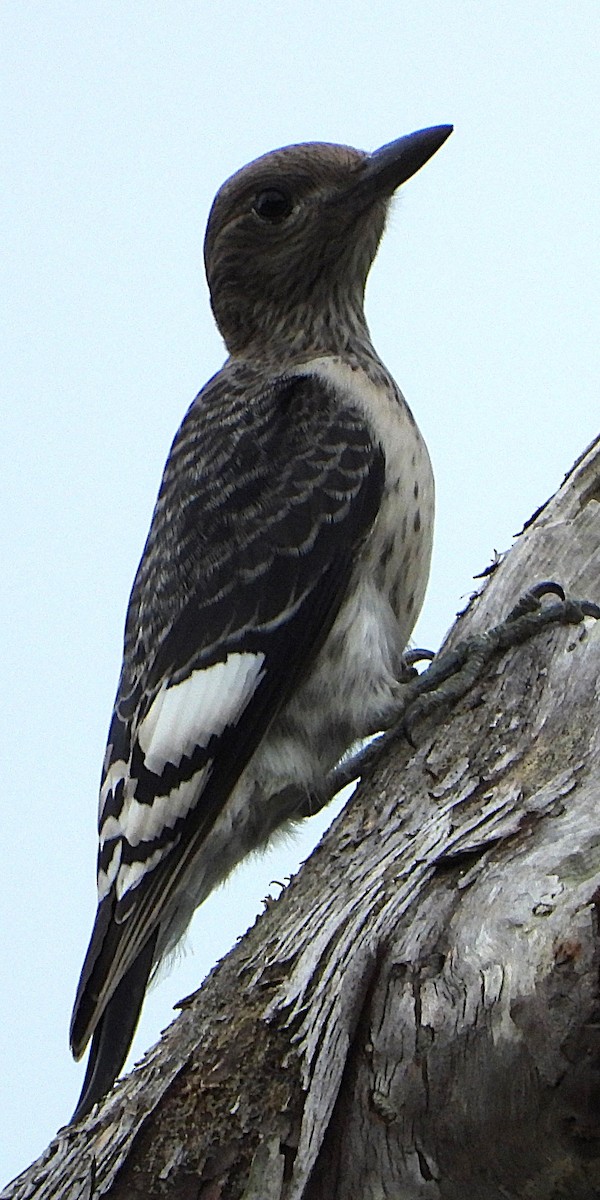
(418, 1015)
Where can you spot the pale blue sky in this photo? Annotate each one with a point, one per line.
(117, 124)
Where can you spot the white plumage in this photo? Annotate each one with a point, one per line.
(188, 714)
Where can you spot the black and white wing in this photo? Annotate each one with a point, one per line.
(266, 498)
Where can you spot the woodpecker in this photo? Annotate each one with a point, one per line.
(283, 572)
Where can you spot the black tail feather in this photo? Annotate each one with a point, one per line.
(114, 1032)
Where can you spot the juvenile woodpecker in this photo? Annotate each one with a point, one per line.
(284, 569)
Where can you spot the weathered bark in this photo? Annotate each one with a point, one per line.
(418, 1015)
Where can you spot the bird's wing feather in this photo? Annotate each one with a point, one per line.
(263, 506)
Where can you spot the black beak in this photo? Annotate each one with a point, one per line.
(390, 166)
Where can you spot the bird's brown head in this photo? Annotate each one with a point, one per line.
(291, 238)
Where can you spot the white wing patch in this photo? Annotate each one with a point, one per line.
(131, 874)
(181, 718)
(106, 878)
(188, 714)
(143, 822)
(117, 772)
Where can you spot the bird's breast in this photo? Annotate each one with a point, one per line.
(352, 685)
(397, 554)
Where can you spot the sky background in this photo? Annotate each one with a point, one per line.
(118, 122)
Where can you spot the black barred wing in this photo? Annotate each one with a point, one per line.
(265, 500)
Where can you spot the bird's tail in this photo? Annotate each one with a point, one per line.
(114, 1032)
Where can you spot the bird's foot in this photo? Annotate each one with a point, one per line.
(453, 673)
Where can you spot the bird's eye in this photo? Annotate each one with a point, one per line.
(273, 205)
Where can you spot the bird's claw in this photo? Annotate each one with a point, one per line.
(530, 601)
(452, 674)
(410, 658)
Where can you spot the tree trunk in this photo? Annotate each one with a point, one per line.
(418, 1015)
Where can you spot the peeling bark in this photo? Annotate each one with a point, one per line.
(418, 1015)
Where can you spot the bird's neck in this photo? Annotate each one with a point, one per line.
(286, 338)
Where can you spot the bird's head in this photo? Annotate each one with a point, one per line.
(291, 238)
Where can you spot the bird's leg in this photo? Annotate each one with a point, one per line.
(452, 674)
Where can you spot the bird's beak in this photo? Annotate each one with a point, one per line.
(390, 166)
